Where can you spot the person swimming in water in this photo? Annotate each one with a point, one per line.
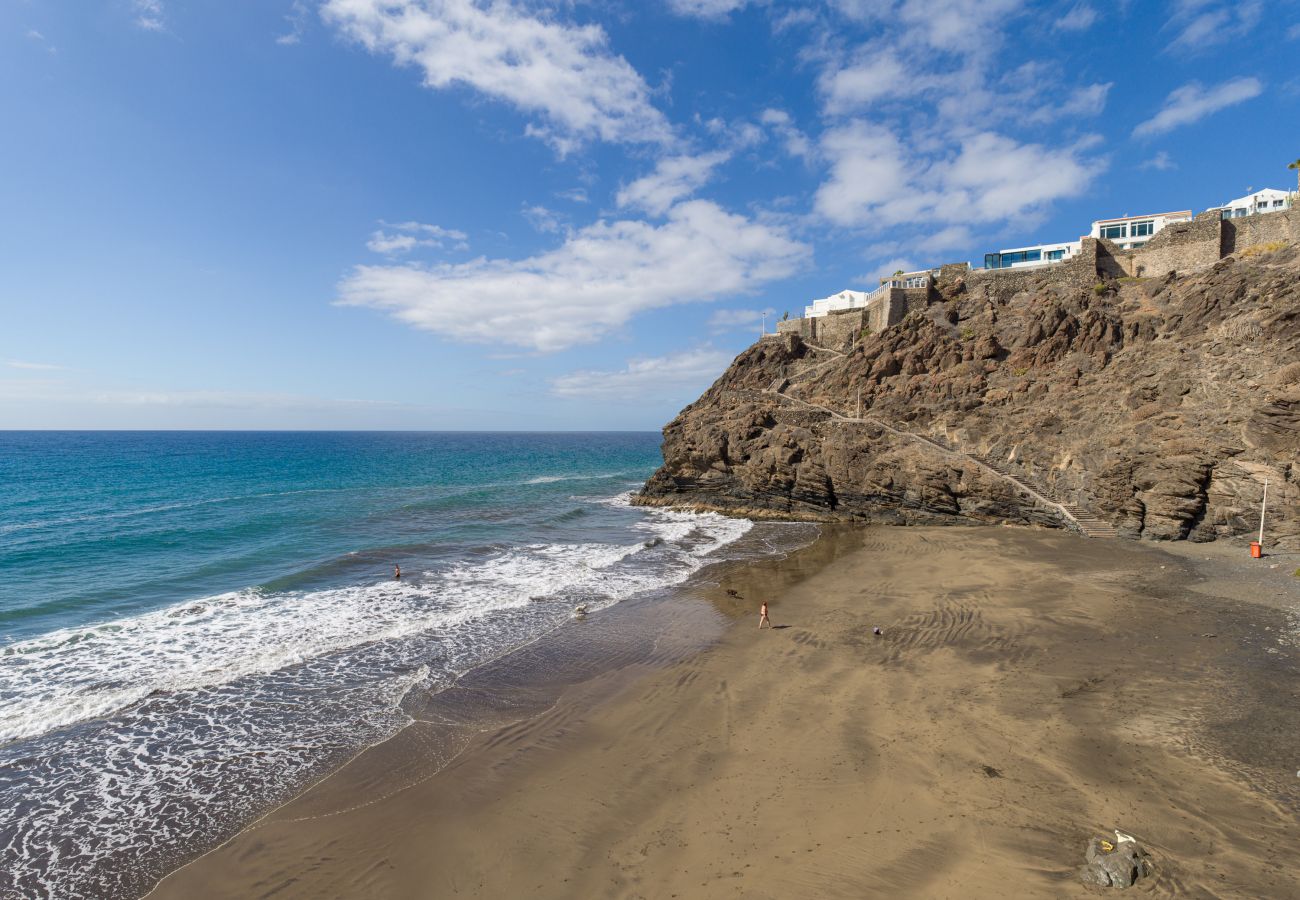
(397, 571)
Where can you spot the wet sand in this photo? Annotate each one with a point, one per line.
(1030, 689)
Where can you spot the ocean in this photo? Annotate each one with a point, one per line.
(197, 625)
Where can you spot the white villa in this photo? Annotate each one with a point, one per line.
(859, 299)
(835, 302)
(1134, 231)
(1126, 231)
(1027, 257)
(1265, 201)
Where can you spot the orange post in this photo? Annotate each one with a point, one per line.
(1256, 550)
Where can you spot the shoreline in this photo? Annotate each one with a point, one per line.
(1073, 669)
(524, 682)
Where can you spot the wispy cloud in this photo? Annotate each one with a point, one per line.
(395, 239)
(37, 37)
(544, 220)
(601, 276)
(149, 14)
(795, 142)
(1193, 102)
(33, 366)
(1160, 162)
(564, 74)
(724, 320)
(1080, 18)
(574, 195)
(674, 178)
(647, 379)
(1206, 23)
(706, 9)
(297, 18)
(878, 181)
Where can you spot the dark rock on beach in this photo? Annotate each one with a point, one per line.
(1122, 865)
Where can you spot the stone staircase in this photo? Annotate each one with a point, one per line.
(1087, 523)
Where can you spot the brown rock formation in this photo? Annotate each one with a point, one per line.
(1158, 405)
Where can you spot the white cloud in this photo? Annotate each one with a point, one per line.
(877, 181)
(962, 26)
(1205, 23)
(796, 143)
(938, 65)
(884, 270)
(723, 320)
(33, 366)
(1086, 101)
(868, 170)
(574, 195)
(956, 25)
(880, 76)
(647, 380)
(403, 237)
(149, 14)
(1293, 33)
(1160, 162)
(1193, 102)
(954, 237)
(593, 284)
(565, 74)
(297, 19)
(1080, 18)
(706, 9)
(674, 178)
(995, 178)
(542, 219)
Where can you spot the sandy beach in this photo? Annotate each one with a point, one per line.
(1030, 689)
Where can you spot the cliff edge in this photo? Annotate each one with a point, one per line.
(1145, 407)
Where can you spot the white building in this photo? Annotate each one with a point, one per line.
(1265, 201)
(859, 299)
(1037, 255)
(842, 300)
(1134, 231)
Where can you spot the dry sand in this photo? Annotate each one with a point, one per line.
(1031, 689)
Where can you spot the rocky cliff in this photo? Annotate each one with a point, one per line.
(1159, 406)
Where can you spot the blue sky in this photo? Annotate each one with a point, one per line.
(458, 214)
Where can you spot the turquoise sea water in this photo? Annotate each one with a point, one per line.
(195, 625)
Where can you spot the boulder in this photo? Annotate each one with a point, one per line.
(1122, 866)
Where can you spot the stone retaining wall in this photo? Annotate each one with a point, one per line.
(1179, 247)
(1077, 272)
(1266, 228)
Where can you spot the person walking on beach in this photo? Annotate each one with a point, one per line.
(762, 616)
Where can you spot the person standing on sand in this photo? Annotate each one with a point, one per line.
(762, 616)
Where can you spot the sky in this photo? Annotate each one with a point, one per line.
(452, 214)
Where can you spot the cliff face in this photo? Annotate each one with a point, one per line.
(1158, 405)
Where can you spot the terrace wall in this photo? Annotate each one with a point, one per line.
(1179, 247)
(1078, 271)
(1265, 228)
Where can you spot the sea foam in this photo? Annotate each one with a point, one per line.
(132, 741)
